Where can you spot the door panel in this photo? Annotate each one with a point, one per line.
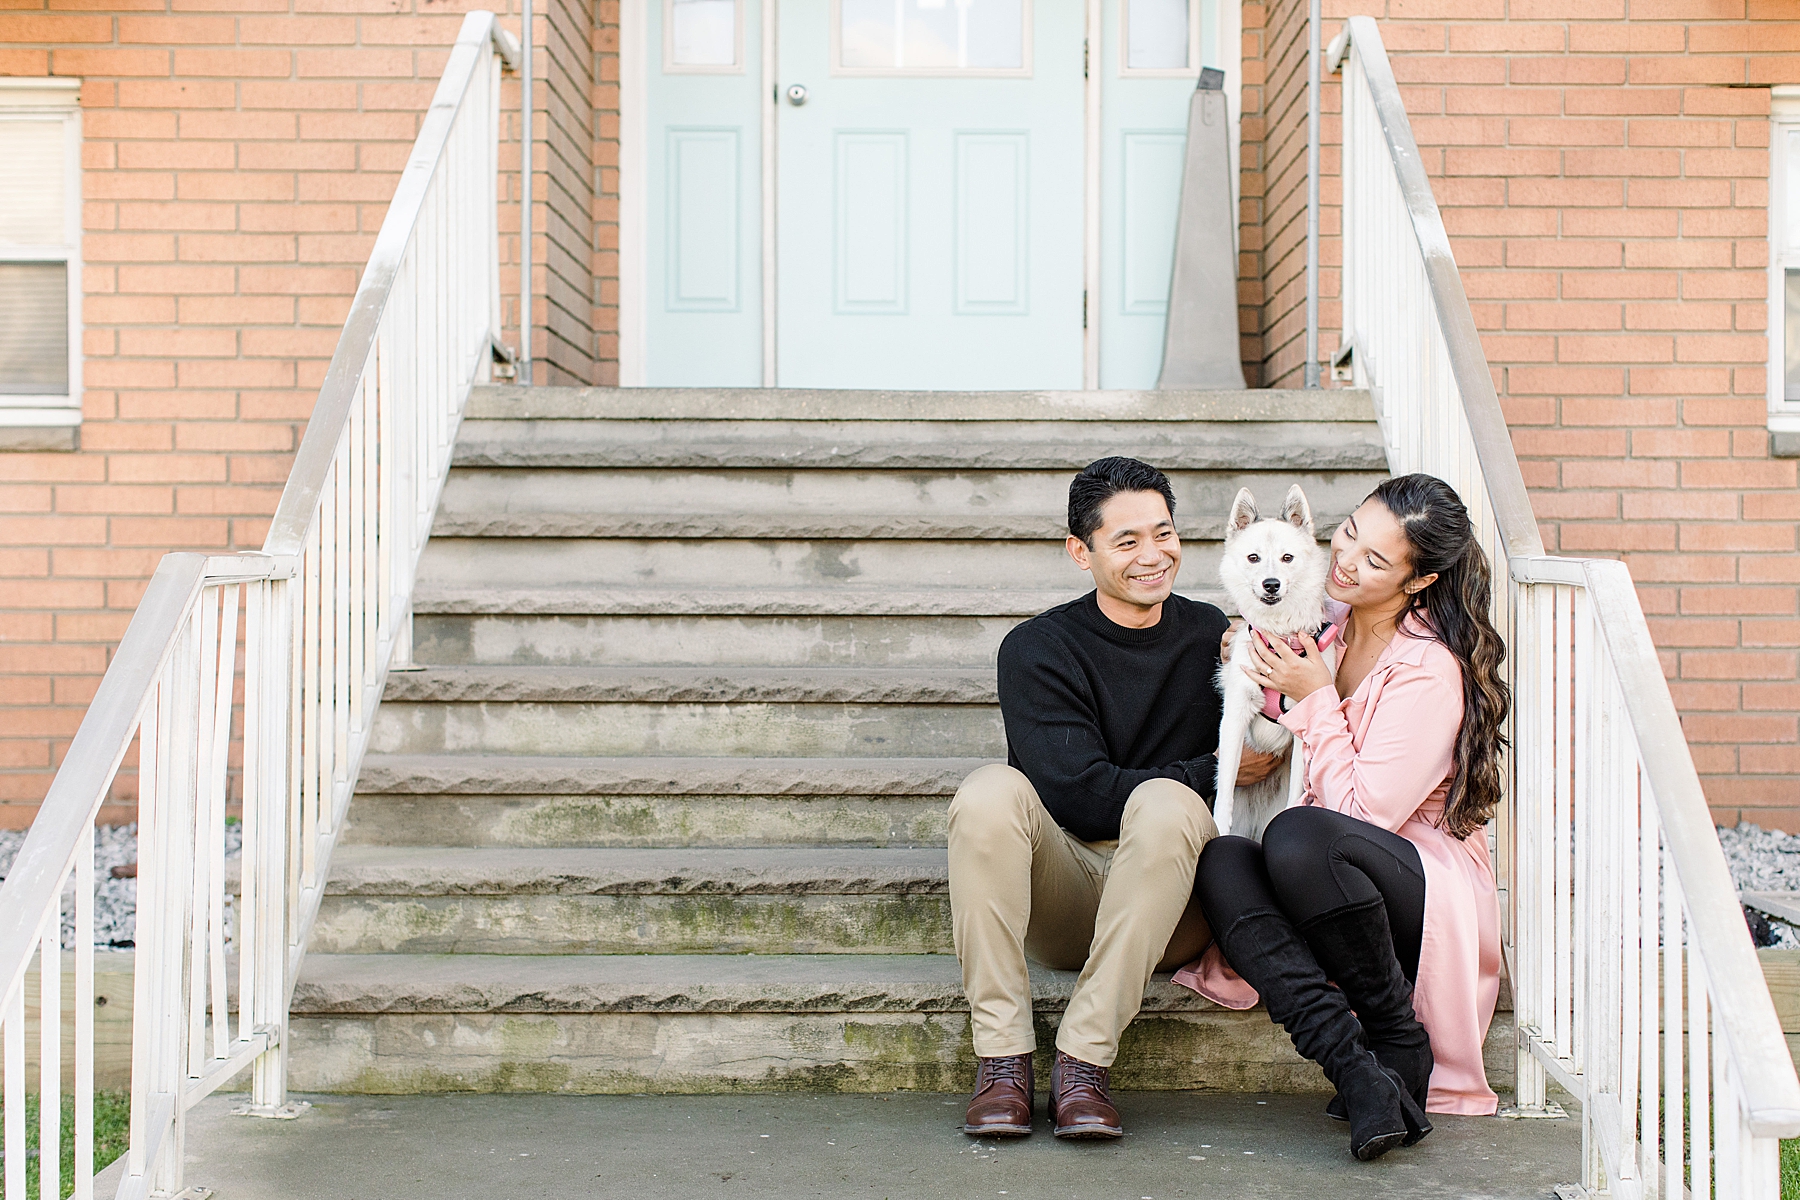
(703, 290)
(868, 236)
(930, 214)
(993, 227)
(703, 231)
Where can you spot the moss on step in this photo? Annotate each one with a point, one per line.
(761, 1052)
(633, 924)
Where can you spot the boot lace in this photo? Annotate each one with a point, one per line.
(1082, 1074)
(1010, 1069)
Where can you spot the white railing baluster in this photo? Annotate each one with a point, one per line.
(50, 1055)
(325, 612)
(1634, 981)
(12, 1033)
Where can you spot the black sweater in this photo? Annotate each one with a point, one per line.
(1092, 708)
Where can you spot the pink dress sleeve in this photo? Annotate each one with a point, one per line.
(1407, 744)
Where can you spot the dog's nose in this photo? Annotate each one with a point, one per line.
(1271, 586)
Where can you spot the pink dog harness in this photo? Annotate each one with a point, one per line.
(1274, 703)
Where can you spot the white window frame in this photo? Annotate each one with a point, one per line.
(1022, 71)
(671, 67)
(1196, 39)
(1784, 255)
(36, 99)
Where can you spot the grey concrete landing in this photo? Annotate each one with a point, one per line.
(894, 1146)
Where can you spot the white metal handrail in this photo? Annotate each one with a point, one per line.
(301, 636)
(1635, 984)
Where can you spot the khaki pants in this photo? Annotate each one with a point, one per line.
(1020, 885)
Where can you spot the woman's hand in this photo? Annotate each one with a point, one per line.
(1274, 665)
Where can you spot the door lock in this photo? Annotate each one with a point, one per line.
(796, 94)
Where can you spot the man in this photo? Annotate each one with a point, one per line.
(1080, 852)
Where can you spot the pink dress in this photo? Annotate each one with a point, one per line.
(1385, 755)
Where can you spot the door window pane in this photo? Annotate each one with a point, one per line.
(932, 34)
(703, 33)
(34, 329)
(1156, 35)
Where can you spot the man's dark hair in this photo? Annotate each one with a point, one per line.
(1103, 480)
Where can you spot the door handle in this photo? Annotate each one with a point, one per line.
(796, 94)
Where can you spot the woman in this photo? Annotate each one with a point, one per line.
(1381, 878)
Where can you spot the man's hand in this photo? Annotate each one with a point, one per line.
(1255, 766)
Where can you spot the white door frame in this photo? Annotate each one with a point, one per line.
(634, 82)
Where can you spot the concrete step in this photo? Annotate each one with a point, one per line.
(423, 900)
(493, 775)
(439, 596)
(1009, 431)
(676, 685)
(561, 819)
(618, 728)
(468, 627)
(836, 504)
(707, 1023)
(741, 567)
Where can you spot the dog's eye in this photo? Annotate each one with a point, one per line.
(1287, 558)
(1254, 557)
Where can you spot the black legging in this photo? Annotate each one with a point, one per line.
(1313, 861)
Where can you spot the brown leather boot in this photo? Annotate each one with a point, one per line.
(1001, 1106)
(1079, 1105)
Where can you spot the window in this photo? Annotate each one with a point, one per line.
(1784, 267)
(40, 258)
(703, 36)
(932, 37)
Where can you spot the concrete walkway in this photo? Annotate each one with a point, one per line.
(896, 1146)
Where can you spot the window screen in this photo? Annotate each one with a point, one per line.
(34, 329)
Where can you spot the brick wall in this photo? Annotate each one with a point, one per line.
(1601, 166)
(1272, 233)
(239, 156)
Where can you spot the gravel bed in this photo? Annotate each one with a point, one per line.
(1764, 860)
(115, 900)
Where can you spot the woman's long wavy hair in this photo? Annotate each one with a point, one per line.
(1455, 607)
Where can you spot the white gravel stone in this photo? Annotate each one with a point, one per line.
(115, 900)
(1764, 860)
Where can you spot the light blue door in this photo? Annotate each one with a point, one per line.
(703, 323)
(1148, 71)
(930, 194)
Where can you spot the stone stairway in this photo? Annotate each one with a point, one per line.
(663, 808)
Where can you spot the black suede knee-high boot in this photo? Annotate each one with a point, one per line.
(1355, 946)
(1264, 947)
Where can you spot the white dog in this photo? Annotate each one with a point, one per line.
(1274, 572)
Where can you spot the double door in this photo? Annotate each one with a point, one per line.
(902, 193)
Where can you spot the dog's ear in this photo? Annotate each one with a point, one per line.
(1296, 511)
(1243, 513)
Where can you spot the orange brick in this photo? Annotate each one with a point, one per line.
(1686, 633)
(1737, 664)
(1739, 600)
(1768, 473)
(1738, 536)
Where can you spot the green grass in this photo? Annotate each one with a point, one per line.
(1790, 1169)
(112, 1133)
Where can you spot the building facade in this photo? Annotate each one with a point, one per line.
(934, 193)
